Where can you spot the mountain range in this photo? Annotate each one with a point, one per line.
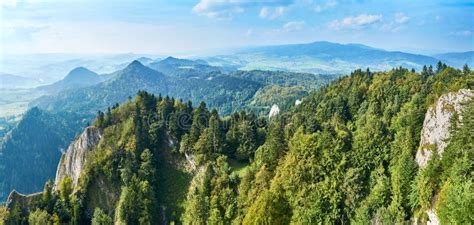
(457, 59)
(329, 57)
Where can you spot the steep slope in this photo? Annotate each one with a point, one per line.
(73, 160)
(442, 122)
(437, 124)
(30, 151)
(76, 78)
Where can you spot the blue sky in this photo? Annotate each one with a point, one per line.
(198, 27)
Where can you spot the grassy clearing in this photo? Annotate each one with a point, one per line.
(238, 167)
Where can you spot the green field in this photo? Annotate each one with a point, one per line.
(14, 102)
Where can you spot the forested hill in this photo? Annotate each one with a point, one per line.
(345, 155)
(254, 91)
(226, 92)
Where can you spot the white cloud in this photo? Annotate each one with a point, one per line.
(227, 8)
(401, 18)
(272, 13)
(397, 23)
(293, 26)
(328, 4)
(355, 22)
(217, 9)
(464, 33)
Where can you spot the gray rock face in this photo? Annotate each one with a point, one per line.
(435, 133)
(437, 123)
(274, 111)
(72, 162)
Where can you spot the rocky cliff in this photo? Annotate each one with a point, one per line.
(436, 132)
(73, 161)
(437, 123)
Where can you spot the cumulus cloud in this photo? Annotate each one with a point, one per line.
(293, 26)
(272, 13)
(227, 8)
(355, 22)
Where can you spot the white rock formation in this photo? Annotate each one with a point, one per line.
(297, 102)
(275, 110)
(435, 132)
(73, 161)
(432, 218)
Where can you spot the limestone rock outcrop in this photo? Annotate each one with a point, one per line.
(436, 132)
(437, 123)
(274, 111)
(73, 160)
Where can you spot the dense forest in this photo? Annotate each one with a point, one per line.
(74, 106)
(346, 154)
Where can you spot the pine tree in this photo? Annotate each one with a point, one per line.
(424, 71)
(439, 67)
(466, 70)
(101, 218)
(200, 122)
(430, 70)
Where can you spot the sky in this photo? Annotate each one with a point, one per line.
(206, 26)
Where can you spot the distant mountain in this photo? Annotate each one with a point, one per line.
(184, 68)
(52, 67)
(457, 59)
(221, 91)
(122, 84)
(225, 92)
(76, 78)
(9, 81)
(321, 57)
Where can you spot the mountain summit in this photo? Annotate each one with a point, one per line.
(80, 74)
(77, 78)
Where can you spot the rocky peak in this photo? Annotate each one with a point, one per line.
(274, 111)
(437, 123)
(72, 162)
